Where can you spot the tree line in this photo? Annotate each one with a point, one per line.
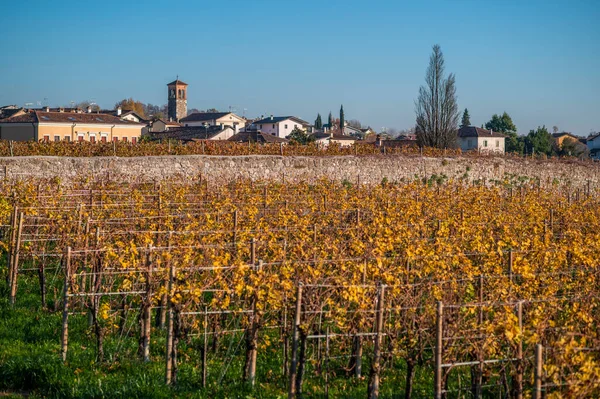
(437, 117)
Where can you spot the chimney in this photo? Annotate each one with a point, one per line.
(271, 117)
(89, 109)
(119, 110)
(61, 109)
(491, 131)
(47, 109)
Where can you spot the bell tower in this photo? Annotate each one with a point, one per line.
(177, 105)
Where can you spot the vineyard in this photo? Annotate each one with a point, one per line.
(260, 289)
(222, 148)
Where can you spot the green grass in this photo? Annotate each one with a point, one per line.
(30, 362)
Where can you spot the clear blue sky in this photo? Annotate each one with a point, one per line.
(537, 60)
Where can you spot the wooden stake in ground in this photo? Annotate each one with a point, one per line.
(295, 338)
(205, 347)
(518, 382)
(65, 316)
(170, 326)
(539, 366)
(438, 351)
(373, 390)
(146, 318)
(15, 266)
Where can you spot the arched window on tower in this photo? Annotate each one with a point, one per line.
(172, 93)
(183, 93)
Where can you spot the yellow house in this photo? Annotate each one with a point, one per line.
(559, 138)
(69, 126)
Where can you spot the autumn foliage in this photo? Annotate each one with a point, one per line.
(238, 251)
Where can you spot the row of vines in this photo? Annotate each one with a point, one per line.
(484, 291)
(212, 147)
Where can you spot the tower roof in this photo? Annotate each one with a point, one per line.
(177, 82)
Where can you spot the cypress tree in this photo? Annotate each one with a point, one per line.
(318, 122)
(330, 121)
(342, 119)
(466, 118)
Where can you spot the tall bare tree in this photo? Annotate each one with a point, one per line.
(436, 108)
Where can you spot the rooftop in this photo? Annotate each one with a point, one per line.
(472, 131)
(177, 82)
(203, 116)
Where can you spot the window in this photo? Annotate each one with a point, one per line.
(497, 143)
(115, 139)
(67, 138)
(125, 139)
(103, 139)
(469, 143)
(260, 126)
(80, 138)
(286, 126)
(56, 138)
(92, 139)
(485, 143)
(46, 139)
(273, 126)
(134, 140)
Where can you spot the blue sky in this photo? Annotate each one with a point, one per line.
(537, 60)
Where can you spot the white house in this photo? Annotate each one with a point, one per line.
(280, 126)
(593, 144)
(220, 119)
(474, 138)
(324, 139)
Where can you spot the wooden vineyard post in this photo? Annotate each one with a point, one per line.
(295, 338)
(373, 390)
(235, 225)
(64, 344)
(518, 388)
(438, 350)
(478, 372)
(11, 248)
(252, 339)
(15, 266)
(284, 333)
(253, 251)
(42, 279)
(511, 260)
(161, 314)
(170, 326)
(539, 366)
(146, 310)
(327, 364)
(205, 347)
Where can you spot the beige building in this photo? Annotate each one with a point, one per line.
(474, 138)
(69, 126)
(220, 119)
(160, 125)
(325, 139)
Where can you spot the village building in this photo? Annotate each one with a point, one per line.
(593, 145)
(68, 126)
(256, 136)
(471, 138)
(131, 116)
(220, 119)
(280, 126)
(326, 139)
(160, 125)
(195, 133)
(177, 100)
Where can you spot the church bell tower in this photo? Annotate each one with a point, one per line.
(177, 105)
